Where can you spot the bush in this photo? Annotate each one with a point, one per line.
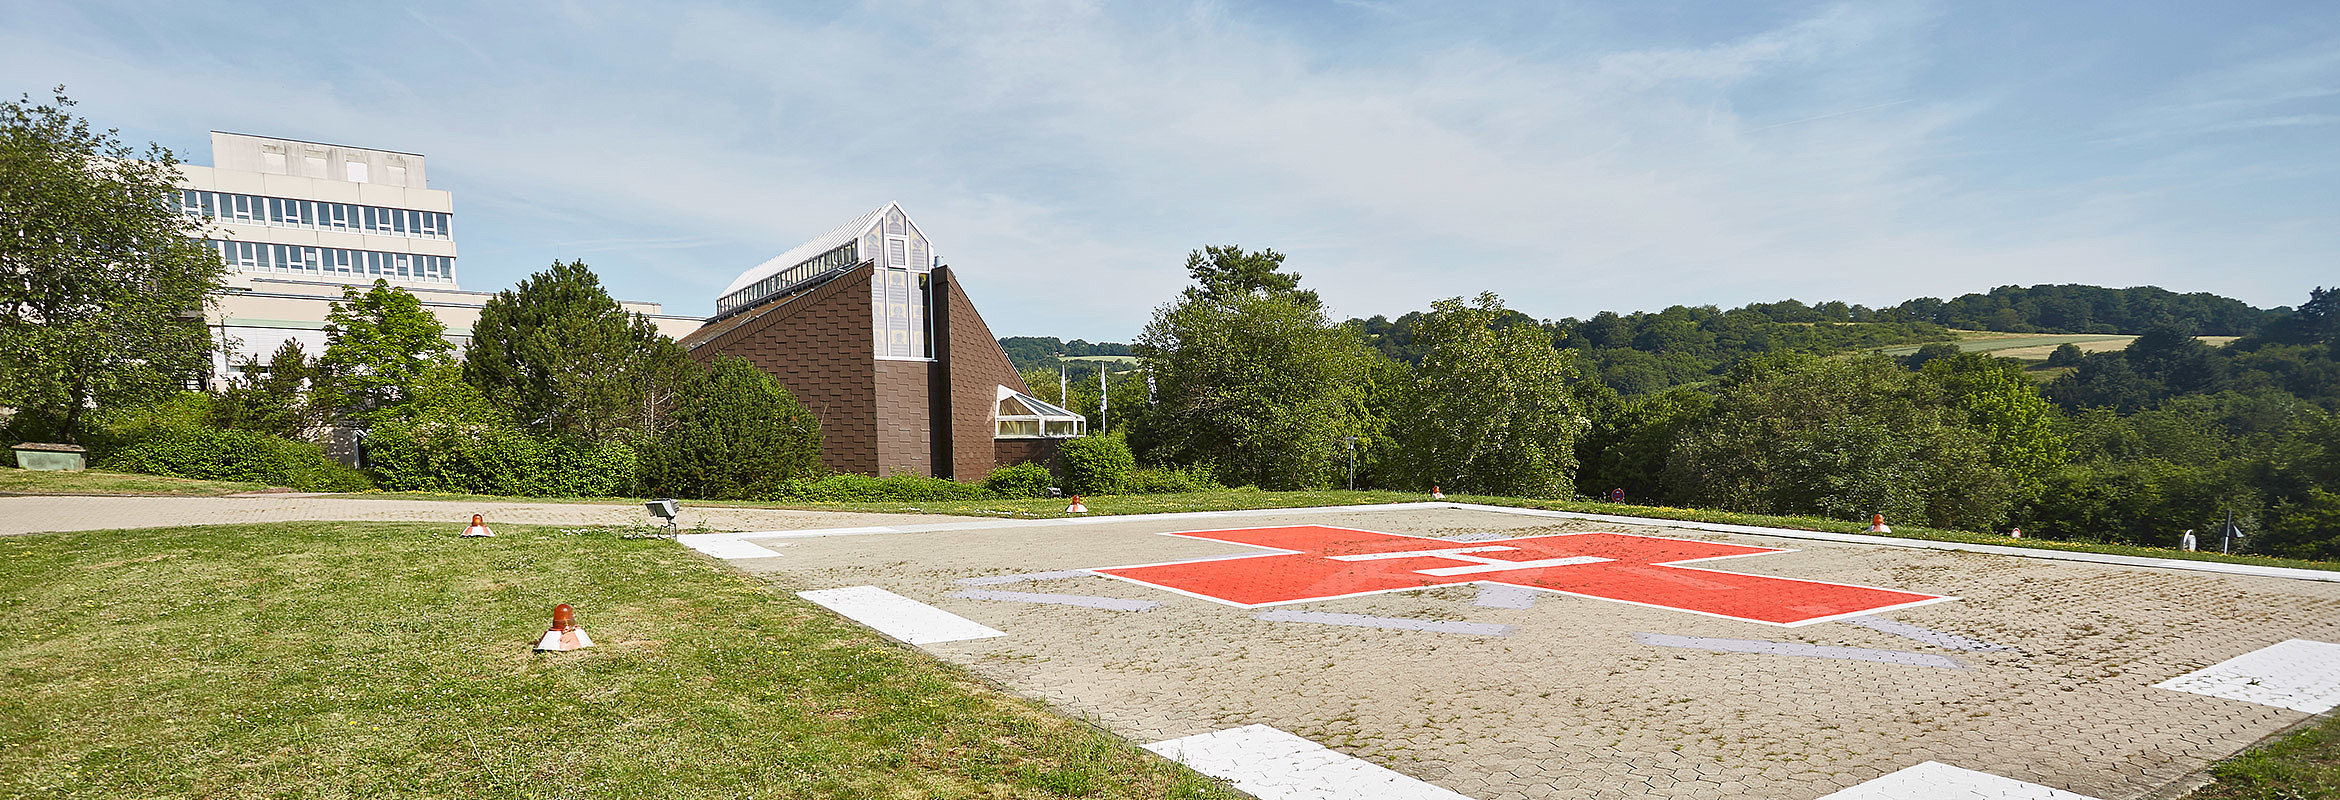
(1155, 480)
(498, 460)
(1024, 480)
(733, 434)
(1096, 464)
(213, 454)
(894, 488)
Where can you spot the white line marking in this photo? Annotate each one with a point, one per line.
(1798, 649)
(1082, 600)
(726, 549)
(1934, 780)
(1395, 623)
(2298, 674)
(899, 617)
(1504, 595)
(995, 580)
(1274, 765)
(1950, 641)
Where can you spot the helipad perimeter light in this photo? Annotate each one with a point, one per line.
(666, 509)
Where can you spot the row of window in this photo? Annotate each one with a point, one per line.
(901, 323)
(333, 262)
(788, 278)
(317, 215)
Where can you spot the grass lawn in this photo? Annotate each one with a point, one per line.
(394, 659)
(2302, 765)
(25, 481)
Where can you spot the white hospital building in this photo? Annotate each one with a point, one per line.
(298, 221)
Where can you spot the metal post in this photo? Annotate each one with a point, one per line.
(1351, 441)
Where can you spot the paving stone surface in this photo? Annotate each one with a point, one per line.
(1570, 704)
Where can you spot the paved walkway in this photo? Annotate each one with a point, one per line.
(41, 514)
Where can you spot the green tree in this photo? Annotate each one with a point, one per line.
(2006, 407)
(1489, 410)
(732, 433)
(566, 358)
(1225, 273)
(1628, 449)
(102, 281)
(271, 398)
(1842, 438)
(2065, 355)
(1259, 385)
(378, 344)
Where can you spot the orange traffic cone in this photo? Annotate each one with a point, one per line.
(1435, 494)
(1077, 507)
(565, 635)
(1877, 524)
(478, 527)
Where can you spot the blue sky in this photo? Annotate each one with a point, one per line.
(1065, 156)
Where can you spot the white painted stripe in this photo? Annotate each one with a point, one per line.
(727, 549)
(995, 580)
(2298, 674)
(1934, 780)
(1949, 641)
(1082, 600)
(1394, 623)
(899, 617)
(1798, 649)
(1274, 765)
(1504, 595)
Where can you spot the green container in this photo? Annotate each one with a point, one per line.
(54, 457)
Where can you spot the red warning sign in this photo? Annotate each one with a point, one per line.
(1314, 562)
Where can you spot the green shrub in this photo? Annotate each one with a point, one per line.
(1157, 480)
(733, 434)
(213, 454)
(1019, 481)
(893, 488)
(1096, 464)
(497, 459)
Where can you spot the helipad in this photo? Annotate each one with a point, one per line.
(1491, 654)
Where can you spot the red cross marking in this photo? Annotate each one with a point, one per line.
(1314, 562)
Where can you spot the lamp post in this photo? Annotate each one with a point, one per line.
(1351, 441)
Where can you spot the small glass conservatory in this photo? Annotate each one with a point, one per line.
(1022, 416)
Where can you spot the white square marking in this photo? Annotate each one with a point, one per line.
(1934, 780)
(899, 617)
(1274, 765)
(2298, 674)
(725, 548)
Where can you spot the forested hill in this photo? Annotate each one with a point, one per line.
(1048, 352)
(2075, 308)
(1644, 351)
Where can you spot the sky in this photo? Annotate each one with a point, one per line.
(1066, 156)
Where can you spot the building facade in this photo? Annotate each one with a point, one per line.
(298, 221)
(869, 328)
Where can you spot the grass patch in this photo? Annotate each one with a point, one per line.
(25, 481)
(2305, 764)
(394, 659)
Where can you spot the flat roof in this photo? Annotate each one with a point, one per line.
(327, 144)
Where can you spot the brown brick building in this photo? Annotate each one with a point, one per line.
(868, 328)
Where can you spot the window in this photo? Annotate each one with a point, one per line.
(1023, 416)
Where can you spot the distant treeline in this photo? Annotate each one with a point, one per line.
(2074, 308)
(1643, 352)
(1048, 352)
